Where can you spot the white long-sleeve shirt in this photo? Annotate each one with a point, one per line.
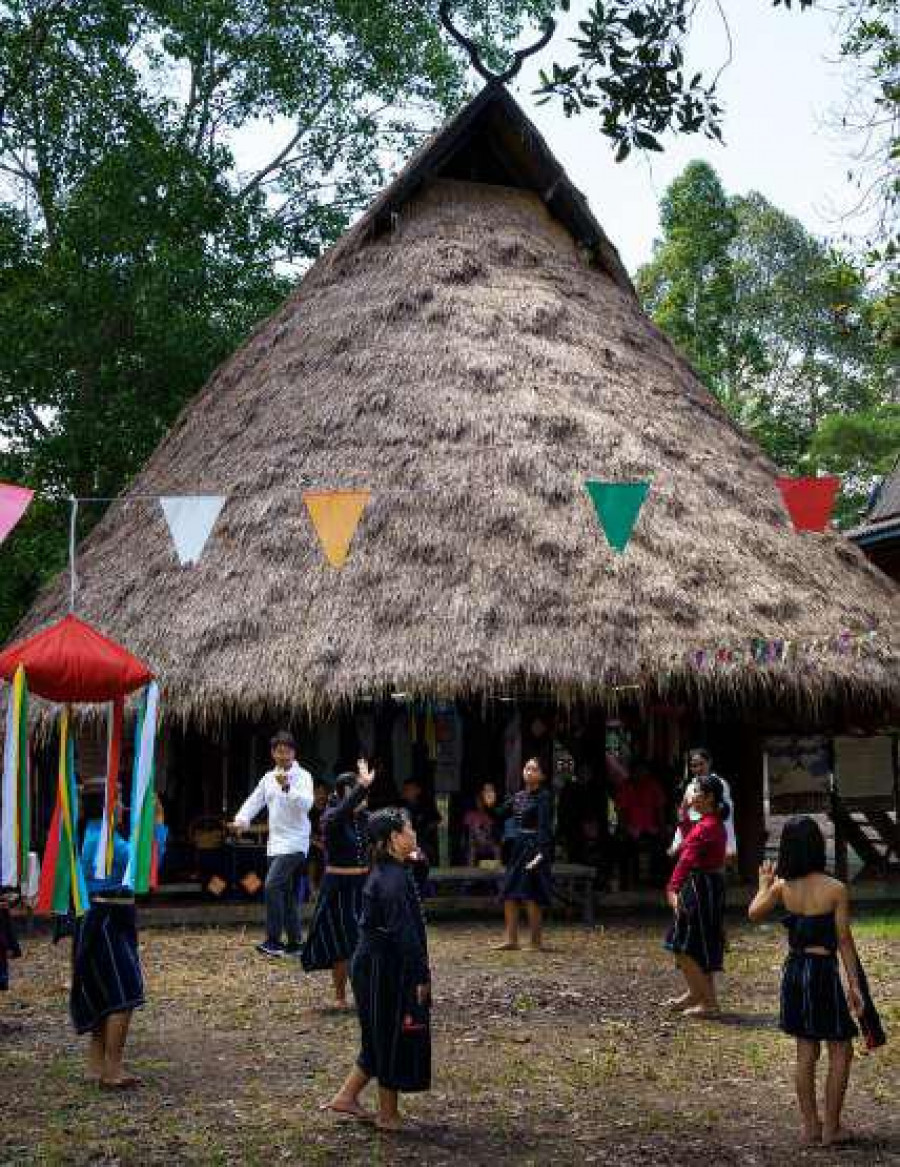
(288, 810)
(731, 840)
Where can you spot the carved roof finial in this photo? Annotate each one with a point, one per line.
(519, 56)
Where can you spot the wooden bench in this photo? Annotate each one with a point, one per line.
(573, 883)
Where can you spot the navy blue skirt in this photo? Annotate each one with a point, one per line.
(813, 1003)
(106, 968)
(334, 930)
(521, 884)
(698, 928)
(397, 1057)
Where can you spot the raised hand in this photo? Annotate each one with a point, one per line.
(366, 776)
(766, 874)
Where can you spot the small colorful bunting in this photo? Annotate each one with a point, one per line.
(139, 870)
(809, 501)
(190, 519)
(617, 505)
(15, 800)
(14, 502)
(335, 514)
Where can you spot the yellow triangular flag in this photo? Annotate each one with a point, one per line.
(335, 515)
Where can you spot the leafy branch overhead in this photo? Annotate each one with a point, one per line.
(630, 71)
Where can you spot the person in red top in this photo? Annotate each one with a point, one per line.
(641, 804)
(696, 894)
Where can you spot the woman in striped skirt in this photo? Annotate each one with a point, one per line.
(696, 895)
(815, 1007)
(334, 929)
(107, 981)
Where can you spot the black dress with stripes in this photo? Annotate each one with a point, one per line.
(813, 1002)
(391, 960)
(334, 928)
(532, 815)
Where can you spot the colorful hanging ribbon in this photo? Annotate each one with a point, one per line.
(15, 800)
(62, 876)
(139, 871)
(105, 847)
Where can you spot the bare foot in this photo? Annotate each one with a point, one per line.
(120, 1082)
(348, 1106)
(342, 1005)
(831, 1138)
(701, 1011)
(507, 946)
(812, 1135)
(679, 1004)
(389, 1125)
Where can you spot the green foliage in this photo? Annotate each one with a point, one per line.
(784, 329)
(135, 255)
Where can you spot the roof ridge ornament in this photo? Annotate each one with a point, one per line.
(519, 55)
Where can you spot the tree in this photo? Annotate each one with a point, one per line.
(781, 327)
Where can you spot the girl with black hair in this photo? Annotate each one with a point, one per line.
(528, 877)
(391, 979)
(815, 1006)
(333, 933)
(696, 894)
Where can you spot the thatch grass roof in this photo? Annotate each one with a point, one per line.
(472, 353)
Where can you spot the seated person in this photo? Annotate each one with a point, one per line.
(424, 817)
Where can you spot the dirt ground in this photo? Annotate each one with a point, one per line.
(563, 1058)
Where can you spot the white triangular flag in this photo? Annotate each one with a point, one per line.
(191, 518)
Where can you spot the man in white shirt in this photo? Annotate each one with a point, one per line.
(287, 793)
(700, 763)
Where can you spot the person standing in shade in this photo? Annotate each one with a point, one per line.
(287, 792)
(700, 765)
(528, 870)
(696, 895)
(333, 933)
(107, 980)
(391, 979)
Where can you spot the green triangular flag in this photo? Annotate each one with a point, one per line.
(617, 505)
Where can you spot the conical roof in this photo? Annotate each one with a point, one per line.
(472, 351)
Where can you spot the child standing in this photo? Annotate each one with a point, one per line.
(391, 979)
(814, 1004)
(696, 894)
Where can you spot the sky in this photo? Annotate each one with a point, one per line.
(779, 91)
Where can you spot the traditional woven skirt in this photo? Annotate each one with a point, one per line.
(399, 1059)
(333, 931)
(813, 1004)
(9, 946)
(521, 884)
(106, 969)
(698, 930)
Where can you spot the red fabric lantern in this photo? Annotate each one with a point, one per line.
(71, 661)
(809, 501)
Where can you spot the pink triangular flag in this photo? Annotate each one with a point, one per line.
(14, 502)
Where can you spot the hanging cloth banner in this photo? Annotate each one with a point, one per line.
(14, 502)
(190, 519)
(335, 514)
(143, 796)
(809, 501)
(62, 876)
(105, 847)
(15, 801)
(617, 505)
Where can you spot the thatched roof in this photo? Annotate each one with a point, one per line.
(472, 351)
(883, 519)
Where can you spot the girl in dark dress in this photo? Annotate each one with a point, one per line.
(815, 1006)
(696, 895)
(391, 979)
(528, 870)
(332, 936)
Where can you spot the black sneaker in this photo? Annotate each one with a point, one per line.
(292, 949)
(268, 949)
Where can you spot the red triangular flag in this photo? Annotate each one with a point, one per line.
(809, 501)
(44, 904)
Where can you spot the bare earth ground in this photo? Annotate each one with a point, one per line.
(564, 1058)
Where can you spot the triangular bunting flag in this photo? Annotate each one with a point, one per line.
(335, 514)
(617, 505)
(191, 518)
(14, 502)
(809, 501)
